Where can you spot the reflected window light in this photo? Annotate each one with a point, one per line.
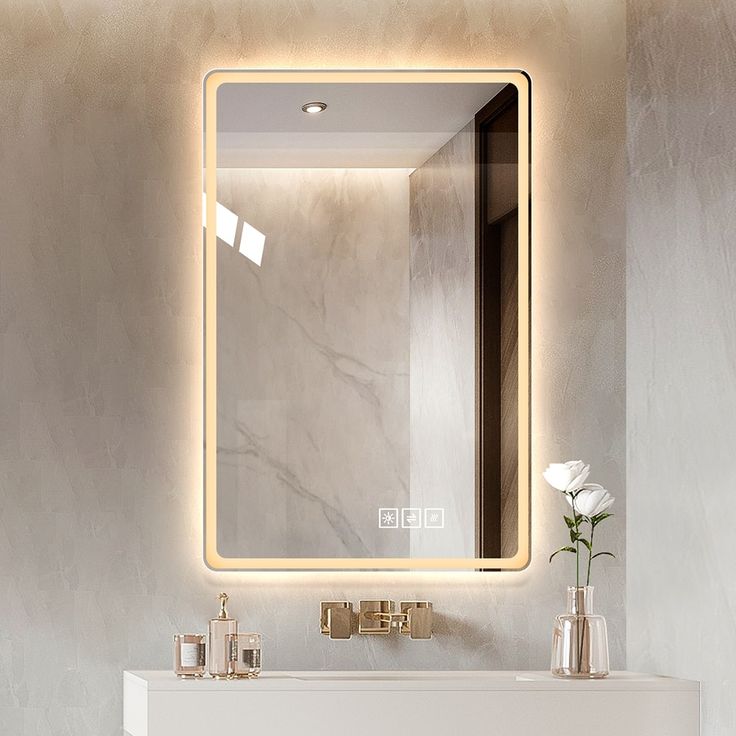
(251, 243)
(227, 221)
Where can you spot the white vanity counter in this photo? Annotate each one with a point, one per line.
(431, 703)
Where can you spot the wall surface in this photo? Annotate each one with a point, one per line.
(100, 335)
(681, 347)
(442, 346)
(313, 364)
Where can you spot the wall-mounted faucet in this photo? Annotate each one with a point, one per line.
(413, 619)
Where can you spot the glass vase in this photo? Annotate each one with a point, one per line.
(580, 638)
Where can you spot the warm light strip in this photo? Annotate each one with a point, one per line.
(212, 558)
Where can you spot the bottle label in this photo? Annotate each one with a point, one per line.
(192, 655)
(252, 658)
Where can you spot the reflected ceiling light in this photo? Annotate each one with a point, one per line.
(314, 107)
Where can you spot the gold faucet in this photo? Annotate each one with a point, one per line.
(414, 618)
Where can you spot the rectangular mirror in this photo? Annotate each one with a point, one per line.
(367, 279)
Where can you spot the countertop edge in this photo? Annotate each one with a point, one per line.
(419, 680)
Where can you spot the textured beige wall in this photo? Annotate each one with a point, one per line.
(100, 334)
(313, 364)
(442, 346)
(681, 347)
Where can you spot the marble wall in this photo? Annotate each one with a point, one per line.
(100, 334)
(313, 364)
(442, 346)
(681, 347)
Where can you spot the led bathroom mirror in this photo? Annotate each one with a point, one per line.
(366, 319)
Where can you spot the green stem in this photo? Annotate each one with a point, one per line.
(590, 551)
(577, 541)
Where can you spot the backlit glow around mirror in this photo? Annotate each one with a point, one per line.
(252, 244)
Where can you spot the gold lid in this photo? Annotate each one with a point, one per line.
(223, 598)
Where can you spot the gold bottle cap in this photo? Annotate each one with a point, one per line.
(223, 598)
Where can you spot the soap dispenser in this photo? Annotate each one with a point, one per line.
(220, 627)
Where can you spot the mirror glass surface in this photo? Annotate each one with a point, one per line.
(366, 319)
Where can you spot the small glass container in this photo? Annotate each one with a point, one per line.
(189, 655)
(245, 655)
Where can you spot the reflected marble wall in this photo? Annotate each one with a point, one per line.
(681, 347)
(313, 364)
(100, 335)
(442, 346)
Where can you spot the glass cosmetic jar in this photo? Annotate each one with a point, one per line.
(245, 655)
(189, 655)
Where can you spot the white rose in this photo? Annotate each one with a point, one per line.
(567, 477)
(591, 500)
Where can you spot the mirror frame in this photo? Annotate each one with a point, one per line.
(211, 83)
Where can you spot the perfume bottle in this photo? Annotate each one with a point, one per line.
(245, 655)
(189, 655)
(219, 628)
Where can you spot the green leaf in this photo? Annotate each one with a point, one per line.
(570, 523)
(574, 536)
(598, 554)
(586, 543)
(562, 549)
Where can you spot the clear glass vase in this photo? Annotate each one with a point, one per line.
(580, 638)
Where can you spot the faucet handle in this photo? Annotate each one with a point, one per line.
(336, 619)
(418, 619)
(376, 617)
